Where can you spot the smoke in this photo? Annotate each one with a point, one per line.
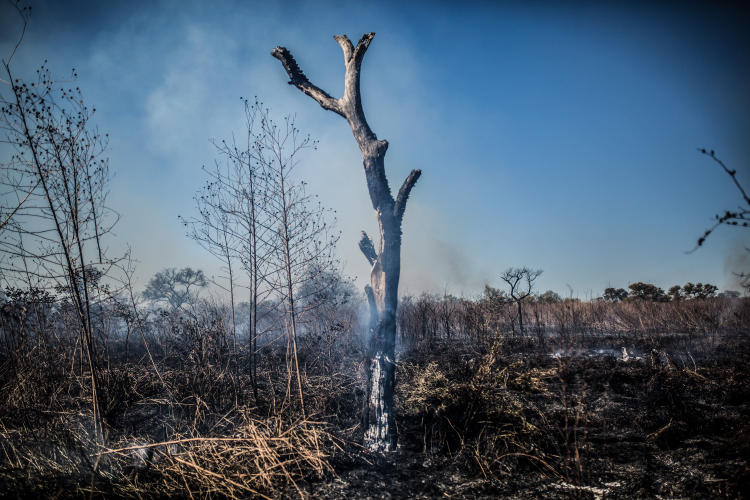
(433, 263)
(736, 263)
(460, 272)
(441, 266)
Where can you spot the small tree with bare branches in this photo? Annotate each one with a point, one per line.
(520, 281)
(59, 174)
(302, 240)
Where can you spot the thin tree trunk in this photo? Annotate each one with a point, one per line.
(127, 342)
(231, 294)
(254, 329)
(254, 336)
(290, 284)
(382, 293)
(82, 309)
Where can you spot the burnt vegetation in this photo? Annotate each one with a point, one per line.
(626, 398)
(296, 384)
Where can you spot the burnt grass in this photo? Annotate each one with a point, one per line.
(503, 418)
(510, 420)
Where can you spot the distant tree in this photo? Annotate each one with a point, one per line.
(549, 297)
(615, 294)
(520, 281)
(690, 289)
(744, 281)
(709, 290)
(176, 287)
(495, 295)
(675, 293)
(647, 292)
(446, 310)
(492, 305)
(699, 290)
(320, 297)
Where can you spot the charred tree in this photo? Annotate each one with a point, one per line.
(382, 293)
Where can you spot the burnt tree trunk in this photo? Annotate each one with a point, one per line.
(382, 293)
(520, 317)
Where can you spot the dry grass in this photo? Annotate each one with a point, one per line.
(189, 430)
(233, 455)
(478, 407)
(259, 457)
(434, 317)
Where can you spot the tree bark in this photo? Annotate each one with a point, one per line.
(382, 293)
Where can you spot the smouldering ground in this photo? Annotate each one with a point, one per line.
(510, 418)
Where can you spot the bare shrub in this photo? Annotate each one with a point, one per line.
(477, 406)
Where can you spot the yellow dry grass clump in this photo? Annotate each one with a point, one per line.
(259, 457)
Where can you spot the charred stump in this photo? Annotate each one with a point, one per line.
(382, 293)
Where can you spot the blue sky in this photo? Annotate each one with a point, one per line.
(561, 137)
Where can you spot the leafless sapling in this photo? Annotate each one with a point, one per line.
(58, 168)
(233, 222)
(214, 230)
(302, 240)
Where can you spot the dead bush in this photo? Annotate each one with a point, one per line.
(478, 407)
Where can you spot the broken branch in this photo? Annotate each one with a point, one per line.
(299, 80)
(365, 244)
(403, 193)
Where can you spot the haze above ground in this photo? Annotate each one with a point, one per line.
(561, 137)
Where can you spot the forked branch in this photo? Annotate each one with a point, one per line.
(350, 107)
